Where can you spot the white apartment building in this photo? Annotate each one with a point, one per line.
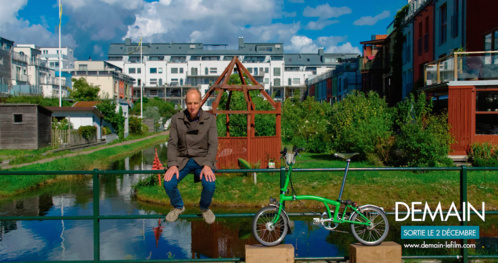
(31, 74)
(51, 54)
(167, 70)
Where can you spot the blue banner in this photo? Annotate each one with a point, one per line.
(439, 232)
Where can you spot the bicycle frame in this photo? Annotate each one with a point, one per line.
(325, 201)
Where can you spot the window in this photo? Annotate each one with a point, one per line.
(267, 70)
(160, 82)
(486, 111)
(276, 82)
(181, 70)
(213, 71)
(17, 118)
(153, 81)
(131, 71)
(139, 82)
(153, 70)
(454, 20)
(296, 81)
(276, 71)
(289, 81)
(267, 81)
(193, 71)
(206, 71)
(250, 70)
(419, 40)
(443, 25)
(174, 70)
(82, 67)
(426, 35)
(255, 71)
(139, 70)
(159, 70)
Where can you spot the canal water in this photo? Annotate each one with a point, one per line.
(143, 239)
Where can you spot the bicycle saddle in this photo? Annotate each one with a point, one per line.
(345, 156)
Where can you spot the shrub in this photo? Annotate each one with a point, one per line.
(483, 155)
(106, 130)
(87, 132)
(135, 125)
(422, 139)
(361, 123)
(304, 124)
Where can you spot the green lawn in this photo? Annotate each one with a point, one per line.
(12, 185)
(364, 187)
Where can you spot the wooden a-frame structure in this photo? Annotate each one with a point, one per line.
(254, 149)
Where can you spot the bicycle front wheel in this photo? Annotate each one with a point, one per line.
(265, 230)
(374, 233)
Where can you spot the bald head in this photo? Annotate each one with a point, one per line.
(193, 102)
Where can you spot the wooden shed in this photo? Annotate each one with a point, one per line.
(255, 149)
(24, 126)
(472, 114)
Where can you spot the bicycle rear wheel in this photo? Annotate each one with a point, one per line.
(374, 233)
(265, 231)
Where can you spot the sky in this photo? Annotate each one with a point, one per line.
(303, 26)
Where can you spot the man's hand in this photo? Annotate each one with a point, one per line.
(170, 172)
(208, 173)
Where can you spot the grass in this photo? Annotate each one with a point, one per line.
(28, 156)
(364, 187)
(15, 184)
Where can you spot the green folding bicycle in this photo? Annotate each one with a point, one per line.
(369, 224)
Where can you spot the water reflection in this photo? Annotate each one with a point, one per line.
(152, 238)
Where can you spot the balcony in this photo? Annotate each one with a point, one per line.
(463, 66)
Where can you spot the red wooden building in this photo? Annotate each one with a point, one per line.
(254, 149)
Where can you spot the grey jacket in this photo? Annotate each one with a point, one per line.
(200, 143)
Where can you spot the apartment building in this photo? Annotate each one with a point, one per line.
(5, 66)
(31, 74)
(167, 70)
(51, 55)
(111, 80)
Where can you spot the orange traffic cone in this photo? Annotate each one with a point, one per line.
(157, 165)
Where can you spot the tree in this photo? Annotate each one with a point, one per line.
(165, 109)
(116, 119)
(83, 91)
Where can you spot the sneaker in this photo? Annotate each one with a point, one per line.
(208, 216)
(174, 213)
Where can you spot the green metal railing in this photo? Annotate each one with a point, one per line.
(96, 217)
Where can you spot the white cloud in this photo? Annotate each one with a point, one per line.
(325, 11)
(344, 48)
(320, 24)
(216, 21)
(22, 32)
(331, 40)
(289, 14)
(370, 21)
(301, 44)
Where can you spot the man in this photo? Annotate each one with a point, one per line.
(192, 147)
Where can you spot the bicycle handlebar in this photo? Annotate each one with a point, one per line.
(294, 150)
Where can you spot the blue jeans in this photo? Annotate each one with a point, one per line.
(175, 197)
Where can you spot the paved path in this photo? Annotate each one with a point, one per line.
(83, 151)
